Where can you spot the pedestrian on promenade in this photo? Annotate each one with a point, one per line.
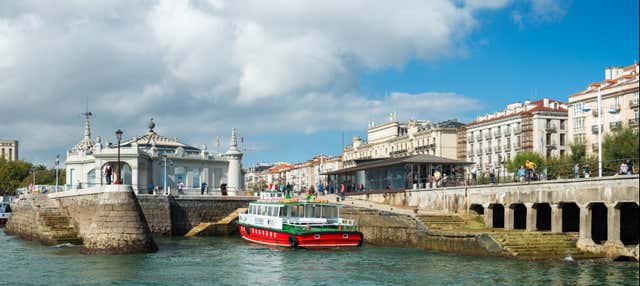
(342, 191)
(521, 173)
(474, 174)
(180, 186)
(436, 178)
(624, 168)
(587, 170)
(203, 187)
(282, 188)
(492, 174)
(576, 170)
(530, 166)
(630, 167)
(107, 173)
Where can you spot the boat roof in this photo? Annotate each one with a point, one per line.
(298, 203)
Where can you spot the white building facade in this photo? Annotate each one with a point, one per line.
(539, 126)
(620, 98)
(397, 139)
(151, 163)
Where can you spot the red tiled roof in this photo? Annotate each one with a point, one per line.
(539, 107)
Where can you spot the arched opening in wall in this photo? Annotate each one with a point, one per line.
(498, 215)
(570, 217)
(543, 216)
(125, 172)
(519, 216)
(477, 209)
(598, 222)
(629, 223)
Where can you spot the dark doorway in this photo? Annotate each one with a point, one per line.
(598, 223)
(629, 233)
(519, 216)
(477, 208)
(543, 216)
(570, 217)
(498, 216)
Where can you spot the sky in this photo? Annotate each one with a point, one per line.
(296, 78)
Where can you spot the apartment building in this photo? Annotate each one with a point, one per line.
(398, 139)
(9, 150)
(620, 104)
(539, 126)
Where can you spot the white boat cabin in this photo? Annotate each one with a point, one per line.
(275, 216)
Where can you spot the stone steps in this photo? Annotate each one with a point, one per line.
(203, 226)
(541, 245)
(60, 229)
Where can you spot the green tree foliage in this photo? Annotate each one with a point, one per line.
(578, 152)
(621, 144)
(521, 158)
(17, 174)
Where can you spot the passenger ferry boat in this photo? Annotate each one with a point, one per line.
(313, 223)
(5, 211)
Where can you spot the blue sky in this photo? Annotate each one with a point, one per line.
(506, 62)
(291, 76)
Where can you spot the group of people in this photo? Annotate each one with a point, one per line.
(626, 168)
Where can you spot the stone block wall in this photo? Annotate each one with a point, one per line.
(25, 220)
(157, 211)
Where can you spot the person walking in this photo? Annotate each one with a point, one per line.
(530, 166)
(576, 171)
(342, 191)
(436, 177)
(521, 173)
(474, 174)
(180, 186)
(630, 170)
(587, 170)
(107, 173)
(203, 187)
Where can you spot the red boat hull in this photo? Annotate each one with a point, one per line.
(3, 221)
(306, 240)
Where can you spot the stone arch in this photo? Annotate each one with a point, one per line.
(477, 208)
(629, 223)
(125, 172)
(91, 178)
(598, 222)
(543, 216)
(570, 217)
(498, 215)
(519, 216)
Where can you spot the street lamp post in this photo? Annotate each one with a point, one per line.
(119, 137)
(57, 164)
(599, 132)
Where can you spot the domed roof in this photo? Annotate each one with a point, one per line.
(159, 141)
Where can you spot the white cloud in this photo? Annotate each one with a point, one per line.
(201, 67)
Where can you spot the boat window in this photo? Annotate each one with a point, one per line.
(264, 210)
(282, 212)
(308, 210)
(317, 211)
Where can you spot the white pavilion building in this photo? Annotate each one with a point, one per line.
(151, 162)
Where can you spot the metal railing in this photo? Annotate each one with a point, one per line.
(551, 128)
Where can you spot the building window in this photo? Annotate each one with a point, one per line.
(579, 125)
(578, 109)
(562, 124)
(561, 139)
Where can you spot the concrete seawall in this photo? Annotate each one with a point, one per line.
(105, 219)
(177, 215)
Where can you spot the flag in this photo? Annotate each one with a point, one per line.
(242, 139)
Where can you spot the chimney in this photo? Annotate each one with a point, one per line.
(545, 102)
(607, 73)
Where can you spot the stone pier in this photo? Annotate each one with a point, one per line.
(105, 219)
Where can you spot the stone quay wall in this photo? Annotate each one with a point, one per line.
(108, 219)
(168, 215)
(608, 190)
(391, 229)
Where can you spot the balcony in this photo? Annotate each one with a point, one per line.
(634, 103)
(615, 125)
(506, 133)
(634, 122)
(550, 128)
(507, 148)
(615, 108)
(517, 130)
(487, 135)
(551, 145)
(470, 139)
(498, 149)
(479, 137)
(496, 134)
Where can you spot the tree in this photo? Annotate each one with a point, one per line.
(621, 144)
(578, 152)
(12, 174)
(521, 158)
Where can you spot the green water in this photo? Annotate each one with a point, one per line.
(232, 261)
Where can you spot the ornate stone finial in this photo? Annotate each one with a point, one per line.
(87, 126)
(151, 125)
(234, 140)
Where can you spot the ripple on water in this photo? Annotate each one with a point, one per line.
(232, 261)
